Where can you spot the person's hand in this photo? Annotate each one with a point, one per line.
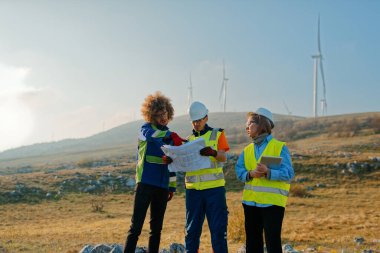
(208, 151)
(170, 196)
(262, 168)
(167, 159)
(177, 140)
(255, 174)
(260, 171)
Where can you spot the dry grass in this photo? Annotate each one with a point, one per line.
(329, 220)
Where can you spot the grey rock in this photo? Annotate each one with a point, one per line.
(141, 250)
(302, 179)
(131, 182)
(353, 170)
(359, 240)
(89, 188)
(117, 248)
(287, 248)
(86, 249)
(15, 194)
(365, 166)
(101, 248)
(177, 248)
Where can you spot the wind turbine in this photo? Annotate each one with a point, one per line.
(286, 108)
(318, 62)
(190, 95)
(223, 89)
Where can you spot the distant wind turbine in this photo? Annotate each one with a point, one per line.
(190, 95)
(223, 89)
(318, 61)
(286, 108)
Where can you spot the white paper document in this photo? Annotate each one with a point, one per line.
(186, 157)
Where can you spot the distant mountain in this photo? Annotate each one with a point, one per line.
(121, 141)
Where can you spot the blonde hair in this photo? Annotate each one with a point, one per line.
(153, 104)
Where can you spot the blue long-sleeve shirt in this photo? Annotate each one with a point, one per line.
(284, 172)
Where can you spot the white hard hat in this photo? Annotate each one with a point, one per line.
(266, 113)
(197, 111)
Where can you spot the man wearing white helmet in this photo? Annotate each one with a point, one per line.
(205, 192)
(266, 186)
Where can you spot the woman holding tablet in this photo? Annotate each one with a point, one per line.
(266, 185)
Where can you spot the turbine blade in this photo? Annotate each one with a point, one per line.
(221, 91)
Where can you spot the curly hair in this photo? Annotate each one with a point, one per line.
(153, 104)
(264, 125)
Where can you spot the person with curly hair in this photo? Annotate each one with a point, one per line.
(155, 184)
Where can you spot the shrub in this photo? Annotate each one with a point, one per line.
(97, 205)
(299, 191)
(85, 163)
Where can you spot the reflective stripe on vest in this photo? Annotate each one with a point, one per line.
(262, 190)
(154, 159)
(210, 177)
(266, 189)
(204, 178)
(214, 134)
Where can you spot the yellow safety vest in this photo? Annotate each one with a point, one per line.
(209, 177)
(261, 190)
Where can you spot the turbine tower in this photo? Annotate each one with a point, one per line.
(190, 95)
(223, 89)
(318, 58)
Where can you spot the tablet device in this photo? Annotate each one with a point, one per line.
(271, 161)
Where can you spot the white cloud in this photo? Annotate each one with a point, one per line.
(16, 116)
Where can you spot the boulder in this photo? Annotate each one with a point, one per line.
(101, 248)
(86, 249)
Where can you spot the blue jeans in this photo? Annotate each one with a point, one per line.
(212, 204)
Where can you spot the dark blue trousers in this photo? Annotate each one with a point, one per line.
(212, 204)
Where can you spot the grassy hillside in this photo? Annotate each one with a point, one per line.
(119, 144)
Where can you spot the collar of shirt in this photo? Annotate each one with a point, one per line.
(205, 130)
(159, 127)
(259, 149)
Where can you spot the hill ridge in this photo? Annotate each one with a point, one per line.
(121, 140)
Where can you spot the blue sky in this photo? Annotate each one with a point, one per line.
(70, 69)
